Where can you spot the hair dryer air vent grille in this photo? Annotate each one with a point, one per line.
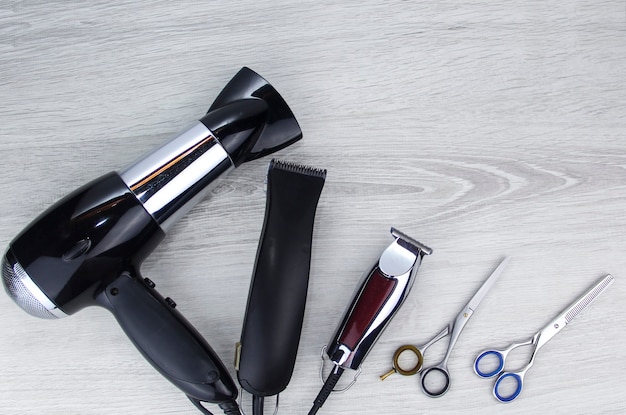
(13, 279)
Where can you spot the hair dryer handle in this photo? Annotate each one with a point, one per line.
(167, 340)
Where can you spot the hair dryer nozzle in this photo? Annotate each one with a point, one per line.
(251, 119)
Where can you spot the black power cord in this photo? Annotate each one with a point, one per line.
(257, 405)
(326, 390)
(229, 407)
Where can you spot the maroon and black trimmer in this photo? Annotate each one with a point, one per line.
(377, 299)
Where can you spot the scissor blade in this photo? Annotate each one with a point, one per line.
(586, 299)
(567, 315)
(489, 282)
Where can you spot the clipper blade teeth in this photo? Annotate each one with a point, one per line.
(423, 248)
(298, 168)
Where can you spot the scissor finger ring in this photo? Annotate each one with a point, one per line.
(414, 369)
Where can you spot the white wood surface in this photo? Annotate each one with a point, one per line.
(480, 128)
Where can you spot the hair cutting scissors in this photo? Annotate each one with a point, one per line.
(538, 341)
(454, 328)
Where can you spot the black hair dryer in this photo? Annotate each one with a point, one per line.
(87, 248)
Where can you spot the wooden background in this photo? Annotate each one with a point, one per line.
(480, 128)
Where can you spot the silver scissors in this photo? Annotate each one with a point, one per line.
(538, 340)
(454, 328)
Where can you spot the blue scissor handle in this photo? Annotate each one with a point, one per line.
(493, 372)
(518, 380)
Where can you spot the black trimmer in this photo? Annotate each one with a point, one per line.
(266, 353)
(86, 250)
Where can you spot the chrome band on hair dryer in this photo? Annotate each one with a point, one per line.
(248, 120)
(87, 248)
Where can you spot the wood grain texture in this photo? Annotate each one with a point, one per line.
(480, 128)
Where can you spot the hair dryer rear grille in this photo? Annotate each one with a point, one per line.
(14, 286)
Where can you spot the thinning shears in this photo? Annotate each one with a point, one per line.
(454, 329)
(538, 340)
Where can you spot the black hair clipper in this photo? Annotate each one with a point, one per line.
(272, 324)
(376, 301)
